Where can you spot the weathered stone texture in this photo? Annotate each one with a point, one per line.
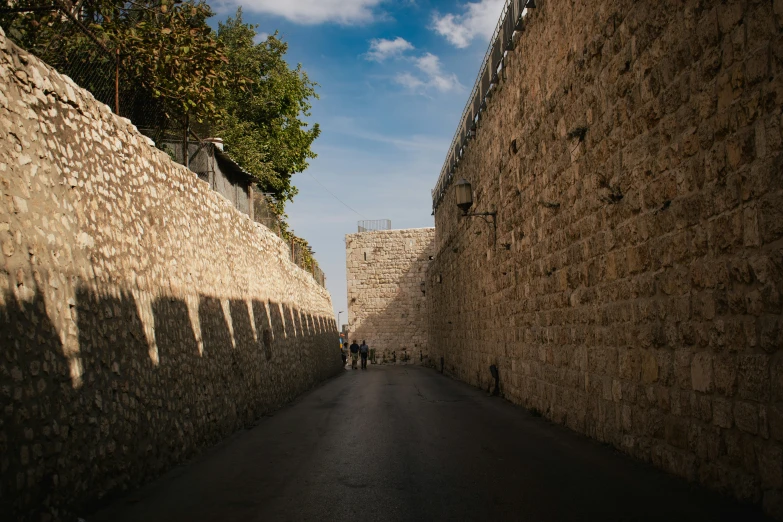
(386, 305)
(142, 317)
(651, 321)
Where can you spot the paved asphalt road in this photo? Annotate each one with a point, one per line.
(406, 443)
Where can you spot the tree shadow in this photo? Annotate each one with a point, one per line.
(218, 348)
(181, 366)
(35, 384)
(121, 409)
(263, 327)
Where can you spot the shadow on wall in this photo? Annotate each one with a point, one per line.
(398, 332)
(461, 345)
(68, 442)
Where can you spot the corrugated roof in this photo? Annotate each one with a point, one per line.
(228, 164)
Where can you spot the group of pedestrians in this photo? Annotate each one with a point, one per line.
(356, 351)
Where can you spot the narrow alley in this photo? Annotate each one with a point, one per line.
(407, 443)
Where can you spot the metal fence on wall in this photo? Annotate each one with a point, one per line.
(511, 21)
(263, 213)
(66, 35)
(369, 225)
(300, 255)
(57, 31)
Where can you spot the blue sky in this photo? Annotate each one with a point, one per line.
(394, 77)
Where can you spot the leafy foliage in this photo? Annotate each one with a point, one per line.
(261, 119)
(56, 39)
(171, 53)
(174, 69)
(170, 60)
(261, 109)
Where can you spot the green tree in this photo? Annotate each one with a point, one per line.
(261, 120)
(170, 59)
(171, 52)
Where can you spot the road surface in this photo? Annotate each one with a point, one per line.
(406, 443)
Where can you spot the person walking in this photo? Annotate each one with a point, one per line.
(344, 353)
(364, 351)
(354, 354)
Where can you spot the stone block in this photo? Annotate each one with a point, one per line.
(740, 450)
(746, 416)
(675, 461)
(776, 373)
(770, 462)
(682, 367)
(649, 367)
(629, 364)
(778, 9)
(702, 377)
(704, 441)
(753, 377)
(722, 413)
(701, 407)
(677, 431)
(770, 333)
(725, 373)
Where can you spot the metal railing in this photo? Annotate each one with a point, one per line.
(510, 22)
(369, 225)
(66, 35)
(301, 255)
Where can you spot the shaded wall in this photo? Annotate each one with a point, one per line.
(386, 304)
(632, 151)
(142, 317)
(223, 175)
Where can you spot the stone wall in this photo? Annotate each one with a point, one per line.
(386, 306)
(142, 317)
(632, 151)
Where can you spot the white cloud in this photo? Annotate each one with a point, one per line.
(478, 20)
(409, 81)
(417, 142)
(313, 11)
(427, 75)
(381, 48)
(432, 76)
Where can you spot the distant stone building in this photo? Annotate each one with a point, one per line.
(387, 306)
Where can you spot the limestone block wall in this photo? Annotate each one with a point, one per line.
(142, 317)
(386, 306)
(632, 151)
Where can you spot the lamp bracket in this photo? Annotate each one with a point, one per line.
(485, 217)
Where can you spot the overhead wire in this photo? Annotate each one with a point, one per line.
(335, 197)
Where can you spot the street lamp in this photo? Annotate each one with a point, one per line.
(464, 196)
(464, 193)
